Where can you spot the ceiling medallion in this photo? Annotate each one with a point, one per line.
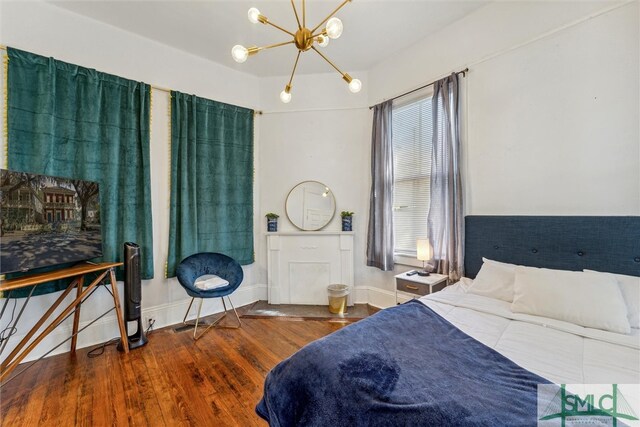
(304, 39)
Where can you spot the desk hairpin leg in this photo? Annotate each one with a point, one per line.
(18, 354)
(76, 317)
(37, 326)
(11, 328)
(70, 338)
(116, 302)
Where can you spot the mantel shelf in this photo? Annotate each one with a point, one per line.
(309, 233)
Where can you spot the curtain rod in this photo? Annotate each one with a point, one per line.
(463, 72)
(154, 87)
(310, 110)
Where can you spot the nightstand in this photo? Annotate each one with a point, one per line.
(410, 287)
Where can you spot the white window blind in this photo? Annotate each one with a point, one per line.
(412, 135)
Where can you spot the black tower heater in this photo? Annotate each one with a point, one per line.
(133, 294)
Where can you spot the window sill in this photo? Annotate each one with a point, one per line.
(407, 260)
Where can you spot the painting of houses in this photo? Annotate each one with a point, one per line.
(47, 220)
(22, 206)
(60, 204)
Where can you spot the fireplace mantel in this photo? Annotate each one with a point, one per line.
(301, 264)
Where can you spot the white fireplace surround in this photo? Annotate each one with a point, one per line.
(301, 264)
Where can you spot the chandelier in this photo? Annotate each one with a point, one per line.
(304, 39)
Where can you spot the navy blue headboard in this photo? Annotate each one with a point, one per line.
(602, 243)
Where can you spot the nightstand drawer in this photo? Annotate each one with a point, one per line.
(412, 287)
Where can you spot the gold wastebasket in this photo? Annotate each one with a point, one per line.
(338, 298)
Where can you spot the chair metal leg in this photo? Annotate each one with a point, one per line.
(234, 311)
(214, 323)
(195, 330)
(184, 319)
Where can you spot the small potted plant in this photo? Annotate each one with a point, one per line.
(272, 221)
(347, 220)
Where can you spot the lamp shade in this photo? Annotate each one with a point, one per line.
(425, 251)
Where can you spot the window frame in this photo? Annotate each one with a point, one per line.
(402, 257)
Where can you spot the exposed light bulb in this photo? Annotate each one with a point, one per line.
(239, 53)
(334, 28)
(355, 85)
(323, 41)
(285, 96)
(253, 15)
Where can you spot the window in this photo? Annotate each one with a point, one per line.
(412, 136)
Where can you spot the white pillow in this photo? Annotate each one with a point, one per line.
(512, 267)
(588, 299)
(630, 287)
(210, 281)
(494, 281)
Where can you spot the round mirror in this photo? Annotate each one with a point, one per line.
(310, 205)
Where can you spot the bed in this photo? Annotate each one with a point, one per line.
(459, 358)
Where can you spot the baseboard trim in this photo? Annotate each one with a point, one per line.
(360, 295)
(376, 297)
(381, 298)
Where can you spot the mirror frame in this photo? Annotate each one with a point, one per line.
(335, 206)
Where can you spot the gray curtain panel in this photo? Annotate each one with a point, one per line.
(380, 233)
(445, 221)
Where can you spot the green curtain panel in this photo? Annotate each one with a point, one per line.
(74, 122)
(211, 180)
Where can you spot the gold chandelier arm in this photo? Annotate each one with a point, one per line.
(330, 15)
(295, 65)
(264, 20)
(328, 60)
(274, 45)
(293, 5)
(321, 33)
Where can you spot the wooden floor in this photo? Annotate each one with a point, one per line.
(215, 381)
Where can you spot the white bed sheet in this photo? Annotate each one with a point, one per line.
(558, 351)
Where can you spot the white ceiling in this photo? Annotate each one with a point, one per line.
(373, 29)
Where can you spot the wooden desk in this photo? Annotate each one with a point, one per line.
(78, 274)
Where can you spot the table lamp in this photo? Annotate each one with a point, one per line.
(425, 253)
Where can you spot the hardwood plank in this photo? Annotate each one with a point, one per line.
(18, 402)
(162, 389)
(190, 386)
(120, 405)
(172, 381)
(52, 408)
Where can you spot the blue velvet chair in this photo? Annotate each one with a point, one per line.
(203, 263)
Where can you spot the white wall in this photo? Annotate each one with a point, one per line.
(324, 134)
(553, 128)
(552, 115)
(50, 31)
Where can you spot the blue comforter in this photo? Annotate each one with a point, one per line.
(403, 366)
